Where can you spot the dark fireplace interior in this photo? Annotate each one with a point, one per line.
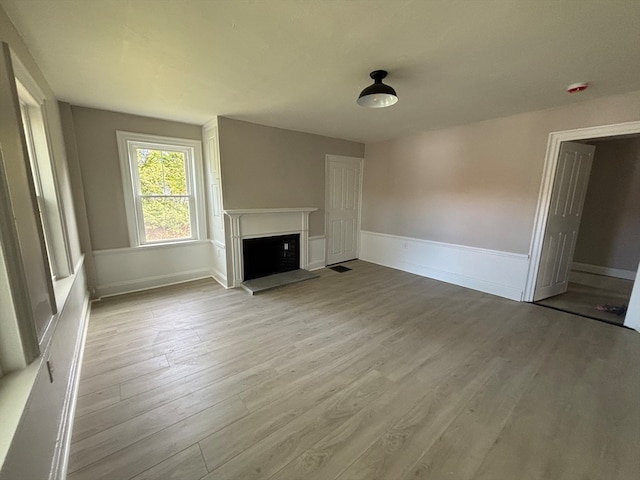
(268, 255)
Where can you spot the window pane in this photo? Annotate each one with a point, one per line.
(161, 172)
(175, 177)
(166, 218)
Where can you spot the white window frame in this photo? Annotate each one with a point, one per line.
(128, 142)
(33, 109)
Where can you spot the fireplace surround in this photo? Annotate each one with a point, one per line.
(266, 222)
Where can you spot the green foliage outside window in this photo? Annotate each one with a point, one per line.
(165, 200)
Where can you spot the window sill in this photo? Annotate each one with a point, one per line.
(62, 287)
(175, 243)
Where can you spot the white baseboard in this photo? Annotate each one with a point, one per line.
(317, 247)
(498, 273)
(219, 277)
(147, 283)
(607, 271)
(126, 270)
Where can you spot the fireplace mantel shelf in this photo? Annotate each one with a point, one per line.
(249, 211)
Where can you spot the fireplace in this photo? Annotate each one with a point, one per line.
(268, 255)
(251, 224)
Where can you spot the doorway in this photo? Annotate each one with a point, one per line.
(342, 208)
(550, 177)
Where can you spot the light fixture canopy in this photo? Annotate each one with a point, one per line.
(377, 95)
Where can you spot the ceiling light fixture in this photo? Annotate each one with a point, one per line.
(577, 87)
(377, 95)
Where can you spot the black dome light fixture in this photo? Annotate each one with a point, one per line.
(377, 95)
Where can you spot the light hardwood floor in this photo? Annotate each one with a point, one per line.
(582, 299)
(368, 374)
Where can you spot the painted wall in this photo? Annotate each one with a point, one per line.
(82, 219)
(474, 185)
(610, 226)
(95, 135)
(268, 167)
(35, 443)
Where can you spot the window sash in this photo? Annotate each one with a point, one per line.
(37, 182)
(190, 166)
(142, 233)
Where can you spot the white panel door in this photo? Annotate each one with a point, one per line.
(343, 208)
(565, 212)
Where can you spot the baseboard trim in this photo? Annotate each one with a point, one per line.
(315, 266)
(219, 277)
(607, 271)
(489, 271)
(147, 283)
(62, 449)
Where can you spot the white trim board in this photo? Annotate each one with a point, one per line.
(490, 271)
(607, 271)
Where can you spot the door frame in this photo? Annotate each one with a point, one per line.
(546, 187)
(327, 187)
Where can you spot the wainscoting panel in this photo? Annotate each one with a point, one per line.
(218, 262)
(490, 271)
(317, 254)
(40, 445)
(126, 270)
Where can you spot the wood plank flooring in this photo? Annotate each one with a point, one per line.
(368, 374)
(583, 299)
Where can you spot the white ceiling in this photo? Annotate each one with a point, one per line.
(300, 64)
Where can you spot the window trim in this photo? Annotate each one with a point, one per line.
(56, 239)
(127, 141)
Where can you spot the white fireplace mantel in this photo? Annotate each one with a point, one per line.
(266, 222)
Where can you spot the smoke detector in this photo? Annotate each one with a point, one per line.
(577, 87)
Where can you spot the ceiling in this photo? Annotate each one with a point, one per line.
(300, 64)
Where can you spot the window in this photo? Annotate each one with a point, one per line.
(44, 177)
(162, 179)
(28, 131)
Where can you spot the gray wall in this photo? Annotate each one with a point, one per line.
(610, 227)
(477, 184)
(97, 150)
(268, 167)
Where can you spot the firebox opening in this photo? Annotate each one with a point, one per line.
(268, 255)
